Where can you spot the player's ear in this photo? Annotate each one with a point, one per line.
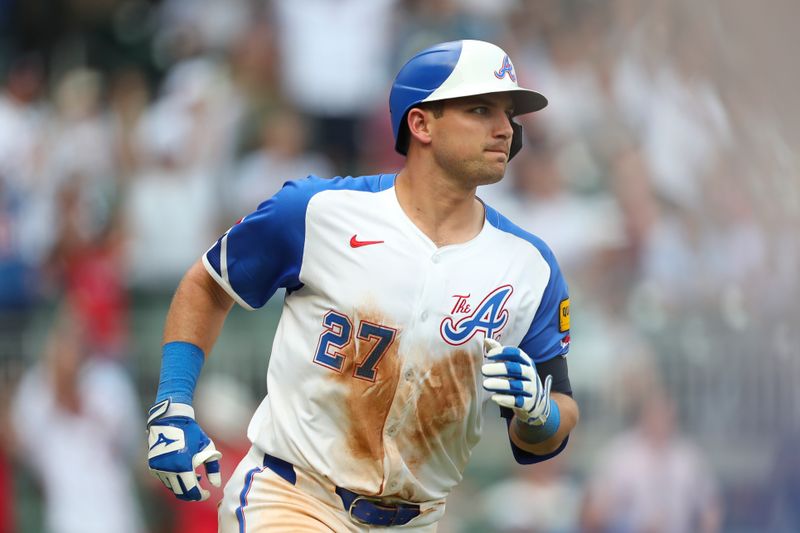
(419, 125)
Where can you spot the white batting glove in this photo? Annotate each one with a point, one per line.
(176, 446)
(511, 376)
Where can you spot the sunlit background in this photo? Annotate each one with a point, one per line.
(664, 175)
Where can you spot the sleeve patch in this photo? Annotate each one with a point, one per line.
(563, 316)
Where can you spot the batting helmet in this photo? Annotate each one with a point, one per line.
(453, 70)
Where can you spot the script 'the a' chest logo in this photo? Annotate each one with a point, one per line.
(488, 317)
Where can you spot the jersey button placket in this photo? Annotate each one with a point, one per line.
(436, 258)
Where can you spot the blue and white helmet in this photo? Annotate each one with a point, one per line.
(453, 70)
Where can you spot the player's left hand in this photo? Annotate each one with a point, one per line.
(511, 375)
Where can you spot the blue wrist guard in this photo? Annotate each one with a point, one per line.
(536, 434)
(181, 363)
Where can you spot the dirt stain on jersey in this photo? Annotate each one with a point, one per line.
(431, 399)
(445, 393)
(367, 403)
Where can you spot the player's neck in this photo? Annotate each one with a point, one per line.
(446, 213)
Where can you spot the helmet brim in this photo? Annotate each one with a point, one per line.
(525, 100)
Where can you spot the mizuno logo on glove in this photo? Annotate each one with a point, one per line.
(169, 444)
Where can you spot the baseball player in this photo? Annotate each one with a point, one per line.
(409, 304)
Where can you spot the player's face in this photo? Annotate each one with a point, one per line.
(472, 138)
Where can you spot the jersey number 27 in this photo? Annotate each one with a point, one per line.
(338, 335)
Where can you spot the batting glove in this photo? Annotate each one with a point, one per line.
(176, 446)
(511, 375)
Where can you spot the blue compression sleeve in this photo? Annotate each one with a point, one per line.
(181, 363)
(537, 434)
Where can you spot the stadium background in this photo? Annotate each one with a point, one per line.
(664, 174)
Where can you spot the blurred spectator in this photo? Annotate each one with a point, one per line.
(128, 99)
(87, 261)
(569, 80)
(22, 155)
(784, 485)
(254, 71)
(633, 190)
(7, 499)
(80, 139)
(568, 62)
(6, 496)
(378, 145)
(283, 156)
(497, 12)
(172, 204)
(651, 479)
(215, 25)
(22, 239)
(332, 44)
(198, 97)
(636, 46)
(541, 498)
(536, 197)
(721, 246)
(423, 23)
(613, 364)
(21, 121)
(76, 420)
(24, 217)
(686, 126)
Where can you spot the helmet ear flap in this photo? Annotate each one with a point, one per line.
(516, 140)
(402, 137)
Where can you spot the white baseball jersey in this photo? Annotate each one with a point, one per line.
(374, 378)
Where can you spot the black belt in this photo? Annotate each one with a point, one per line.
(362, 509)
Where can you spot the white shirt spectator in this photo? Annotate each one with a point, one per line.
(171, 218)
(283, 156)
(342, 46)
(261, 174)
(28, 230)
(82, 459)
(652, 479)
(654, 490)
(684, 130)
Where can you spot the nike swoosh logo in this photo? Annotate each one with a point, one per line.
(355, 243)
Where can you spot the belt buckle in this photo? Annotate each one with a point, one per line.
(375, 501)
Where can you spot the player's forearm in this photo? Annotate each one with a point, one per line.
(177, 445)
(198, 310)
(569, 413)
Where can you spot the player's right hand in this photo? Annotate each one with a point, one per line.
(176, 446)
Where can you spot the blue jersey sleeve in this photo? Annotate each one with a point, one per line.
(264, 251)
(548, 335)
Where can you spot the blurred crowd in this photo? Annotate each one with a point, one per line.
(663, 174)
